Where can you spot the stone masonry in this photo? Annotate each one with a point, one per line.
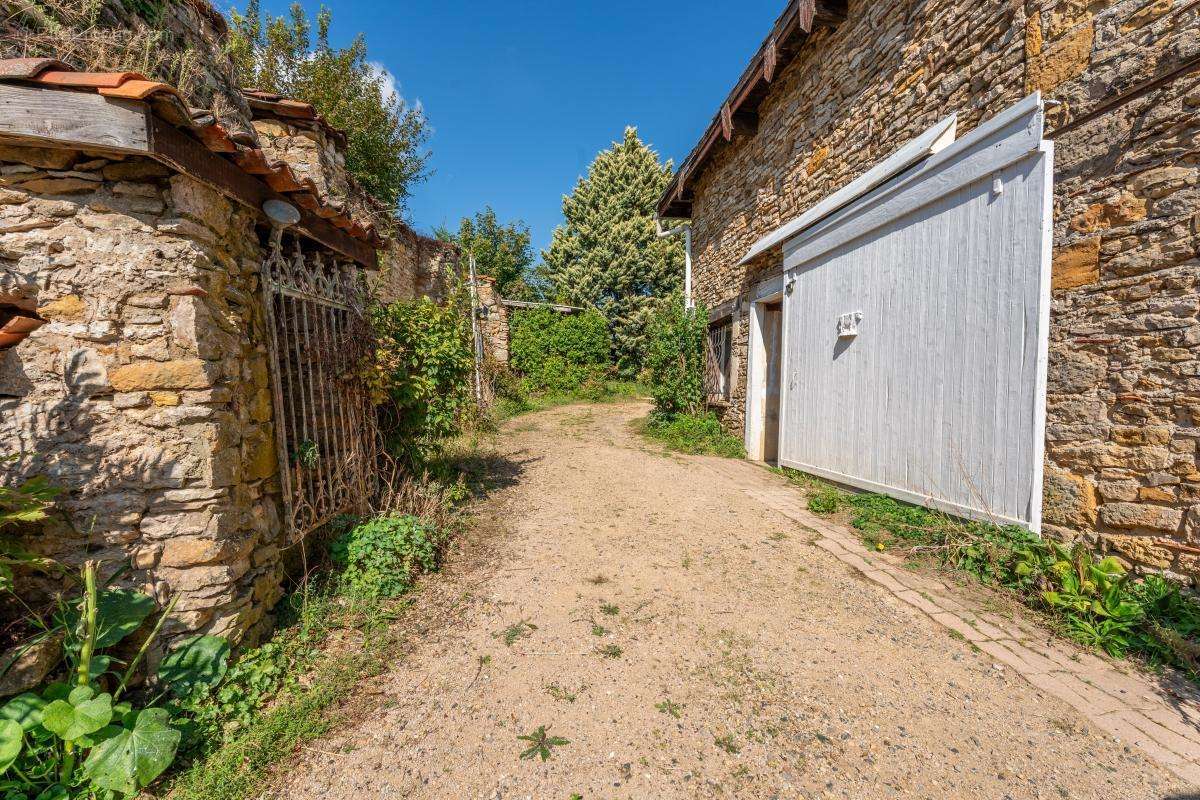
(146, 395)
(1123, 415)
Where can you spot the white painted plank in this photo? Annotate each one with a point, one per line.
(931, 141)
(941, 397)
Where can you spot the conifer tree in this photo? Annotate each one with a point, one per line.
(607, 253)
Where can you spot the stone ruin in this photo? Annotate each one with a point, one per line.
(135, 350)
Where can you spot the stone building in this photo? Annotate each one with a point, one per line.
(189, 386)
(839, 87)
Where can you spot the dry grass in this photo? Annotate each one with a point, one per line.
(85, 34)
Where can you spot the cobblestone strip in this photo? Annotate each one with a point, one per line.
(1127, 707)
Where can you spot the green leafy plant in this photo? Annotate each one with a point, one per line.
(610, 609)
(384, 556)
(668, 707)
(518, 630)
(695, 435)
(1093, 600)
(675, 360)
(541, 743)
(728, 743)
(610, 651)
(421, 377)
(76, 738)
(560, 352)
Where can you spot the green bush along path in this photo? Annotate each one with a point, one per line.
(642, 623)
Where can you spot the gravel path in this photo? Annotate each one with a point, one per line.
(692, 643)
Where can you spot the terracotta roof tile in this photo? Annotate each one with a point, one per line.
(28, 68)
(168, 104)
(88, 80)
(137, 89)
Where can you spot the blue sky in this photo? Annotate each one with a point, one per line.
(523, 94)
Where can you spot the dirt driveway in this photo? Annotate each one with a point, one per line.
(689, 642)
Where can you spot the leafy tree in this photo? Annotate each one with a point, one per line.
(608, 254)
(560, 352)
(502, 251)
(385, 138)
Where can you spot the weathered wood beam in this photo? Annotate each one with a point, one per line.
(81, 120)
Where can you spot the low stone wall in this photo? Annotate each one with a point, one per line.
(145, 396)
(1123, 420)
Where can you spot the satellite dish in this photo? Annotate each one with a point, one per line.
(280, 213)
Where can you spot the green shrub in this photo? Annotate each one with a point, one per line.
(695, 434)
(560, 352)
(675, 359)
(383, 557)
(1095, 600)
(422, 376)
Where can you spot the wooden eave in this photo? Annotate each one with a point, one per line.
(82, 111)
(738, 115)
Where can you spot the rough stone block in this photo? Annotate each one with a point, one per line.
(1076, 264)
(192, 373)
(1139, 515)
(1068, 500)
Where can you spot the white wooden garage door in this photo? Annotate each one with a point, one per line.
(933, 389)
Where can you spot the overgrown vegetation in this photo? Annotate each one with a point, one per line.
(695, 434)
(557, 359)
(383, 557)
(675, 363)
(80, 34)
(607, 254)
(386, 138)
(421, 377)
(675, 359)
(1094, 601)
(559, 352)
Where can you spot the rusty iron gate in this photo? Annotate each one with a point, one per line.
(325, 427)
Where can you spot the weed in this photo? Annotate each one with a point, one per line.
(561, 693)
(669, 707)
(686, 561)
(541, 743)
(598, 630)
(1095, 601)
(728, 743)
(597, 580)
(693, 434)
(610, 651)
(778, 536)
(518, 630)
(610, 609)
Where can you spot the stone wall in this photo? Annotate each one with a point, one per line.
(493, 321)
(145, 396)
(1123, 419)
(412, 265)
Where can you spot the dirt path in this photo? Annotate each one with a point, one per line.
(659, 586)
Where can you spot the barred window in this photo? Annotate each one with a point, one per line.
(720, 351)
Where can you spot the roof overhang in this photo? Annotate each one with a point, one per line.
(738, 115)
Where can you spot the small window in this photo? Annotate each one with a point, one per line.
(720, 352)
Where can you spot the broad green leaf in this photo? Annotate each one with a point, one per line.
(55, 792)
(199, 661)
(56, 691)
(120, 613)
(11, 739)
(24, 709)
(133, 758)
(81, 694)
(69, 722)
